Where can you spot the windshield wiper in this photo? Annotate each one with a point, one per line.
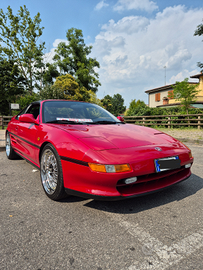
(64, 122)
(105, 122)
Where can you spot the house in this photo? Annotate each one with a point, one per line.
(158, 97)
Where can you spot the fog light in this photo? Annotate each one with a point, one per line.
(188, 165)
(130, 180)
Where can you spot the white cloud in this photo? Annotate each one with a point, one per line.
(145, 5)
(127, 25)
(134, 50)
(48, 57)
(100, 5)
(57, 41)
(184, 74)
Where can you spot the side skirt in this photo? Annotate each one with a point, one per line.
(28, 161)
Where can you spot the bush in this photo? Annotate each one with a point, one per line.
(139, 111)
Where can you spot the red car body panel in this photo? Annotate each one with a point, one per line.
(78, 145)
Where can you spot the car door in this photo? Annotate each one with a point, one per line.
(27, 135)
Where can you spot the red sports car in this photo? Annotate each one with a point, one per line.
(81, 149)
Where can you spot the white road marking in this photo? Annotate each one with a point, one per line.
(157, 255)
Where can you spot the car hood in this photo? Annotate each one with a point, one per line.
(118, 136)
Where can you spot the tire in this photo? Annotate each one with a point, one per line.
(10, 153)
(51, 173)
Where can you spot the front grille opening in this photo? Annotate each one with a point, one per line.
(152, 182)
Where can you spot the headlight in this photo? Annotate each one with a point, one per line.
(109, 168)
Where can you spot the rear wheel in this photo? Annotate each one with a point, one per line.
(10, 153)
(51, 173)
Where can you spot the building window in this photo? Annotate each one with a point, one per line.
(165, 101)
(157, 97)
(170, 94)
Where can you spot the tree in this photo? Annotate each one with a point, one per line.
(19, 35)
(94, 99)
(70, 88)
(72, 58)
(135, 106)
(49, 74)
(185, 93)
(51, 92)
(114, 105)
(11, 84)
(118, 105)
(107, 103)
(25, 99)
(199, 32)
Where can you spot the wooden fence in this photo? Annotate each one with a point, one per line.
(4, 120)
(170, 121)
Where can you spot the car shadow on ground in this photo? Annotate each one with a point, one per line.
(177, 192)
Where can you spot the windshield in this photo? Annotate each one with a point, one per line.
(73, 112)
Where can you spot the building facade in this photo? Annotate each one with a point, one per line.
(163, 96)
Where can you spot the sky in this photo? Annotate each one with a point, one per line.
(140, 44)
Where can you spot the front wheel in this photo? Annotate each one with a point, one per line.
(51, 173)
(10, 153)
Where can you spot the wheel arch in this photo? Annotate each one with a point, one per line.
(41, 149)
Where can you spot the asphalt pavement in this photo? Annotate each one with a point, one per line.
(159, 231)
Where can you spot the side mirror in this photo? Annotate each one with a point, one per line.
(120, 118)
(27, 118)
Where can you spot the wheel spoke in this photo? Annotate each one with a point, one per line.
(49, 171)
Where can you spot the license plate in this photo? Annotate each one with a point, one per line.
(165, 164)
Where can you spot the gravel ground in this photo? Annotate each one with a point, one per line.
(193, 135)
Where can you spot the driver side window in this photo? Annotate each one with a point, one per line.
(34, 110)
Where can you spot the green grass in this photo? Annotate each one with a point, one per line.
(5, 127)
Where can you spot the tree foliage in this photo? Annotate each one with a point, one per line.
(19, 35)
(107, 103)
(50, 73)
(199, 32)
(185, 93)
(27, 98)
(94, 99)
(11, 84)
(72, 58)
(70, 88)
(134, 105)
(51, 92)
(114, 104)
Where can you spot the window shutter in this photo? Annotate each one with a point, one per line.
(170, 94)
(157, 96)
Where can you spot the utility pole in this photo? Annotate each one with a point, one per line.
(165, 74)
